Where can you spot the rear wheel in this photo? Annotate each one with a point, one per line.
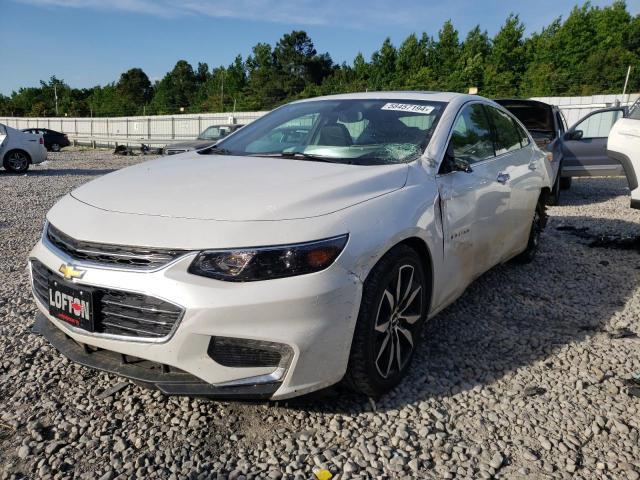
(565, 183)
(55, 147)
(387, 333)
(554, 196)
(537, 225)
(16, 161)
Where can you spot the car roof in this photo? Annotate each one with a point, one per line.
(398, 95)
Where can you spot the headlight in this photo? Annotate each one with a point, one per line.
(264, 263)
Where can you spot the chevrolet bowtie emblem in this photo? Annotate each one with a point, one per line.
(69, 272)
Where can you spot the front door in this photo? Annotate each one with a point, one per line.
(584, 147)
(474, 203)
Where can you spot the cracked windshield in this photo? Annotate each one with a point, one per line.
(360, 132)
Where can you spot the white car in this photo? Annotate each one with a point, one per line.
(623, 145)
(18, 149)
(267, 269)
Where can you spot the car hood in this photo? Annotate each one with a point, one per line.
(190, 145)
(232, 188)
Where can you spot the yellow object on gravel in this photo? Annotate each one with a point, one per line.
(323, 475)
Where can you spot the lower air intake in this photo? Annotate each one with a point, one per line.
(240, 352)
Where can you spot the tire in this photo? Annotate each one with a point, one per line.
(554, 196)
(382, 329)
(16, 161)
(537, 226)
(565, 183)
(55, 147)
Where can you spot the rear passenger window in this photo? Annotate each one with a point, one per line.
(507, 137)
(471, 138)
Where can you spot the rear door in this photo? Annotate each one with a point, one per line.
(518, 166)
(584, 146)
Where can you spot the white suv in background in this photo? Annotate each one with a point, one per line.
(624, 145)
(19, 149)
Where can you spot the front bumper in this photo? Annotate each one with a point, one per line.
(152, 375)
(314, 315)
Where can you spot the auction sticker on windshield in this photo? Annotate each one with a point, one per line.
(408, 107)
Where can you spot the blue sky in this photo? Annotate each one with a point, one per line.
(89, 42)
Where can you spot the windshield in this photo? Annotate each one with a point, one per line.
(211, 133)
(362, 132)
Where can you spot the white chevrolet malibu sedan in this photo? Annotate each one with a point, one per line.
(308, 247)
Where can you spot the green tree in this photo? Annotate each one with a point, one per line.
(473, 59)
(383, 66)
(176, 91)
(446, 58)
(506, 63)
(135, 88)
(411, 57)
(586, 53)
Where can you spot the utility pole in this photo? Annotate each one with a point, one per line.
(626, 82)
(222, 91)
(55, 94)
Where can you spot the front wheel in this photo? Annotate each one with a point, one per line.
(388, 329)
(16, 161)
(55, 147)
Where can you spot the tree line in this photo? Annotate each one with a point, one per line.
(586, 53)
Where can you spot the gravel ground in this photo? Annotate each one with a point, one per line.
(523, 377)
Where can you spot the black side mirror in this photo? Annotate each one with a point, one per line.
(453, 164)
(574, 135)
(462, 165)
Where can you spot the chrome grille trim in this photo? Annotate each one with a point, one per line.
(139, 258)
(119, 315)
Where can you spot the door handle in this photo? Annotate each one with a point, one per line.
(503, 177)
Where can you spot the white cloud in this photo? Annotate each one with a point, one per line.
(344, 13)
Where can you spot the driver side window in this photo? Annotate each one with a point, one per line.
(599, 124)
(471, 139)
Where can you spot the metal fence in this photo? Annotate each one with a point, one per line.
(574, 108)
(157, 130)
(160, 130)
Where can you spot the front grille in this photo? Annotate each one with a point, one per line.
(107, 254)
(118, 312)
(240, 352)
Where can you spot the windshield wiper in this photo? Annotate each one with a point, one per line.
(315, 158)
(305, 156)
(215, 150)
